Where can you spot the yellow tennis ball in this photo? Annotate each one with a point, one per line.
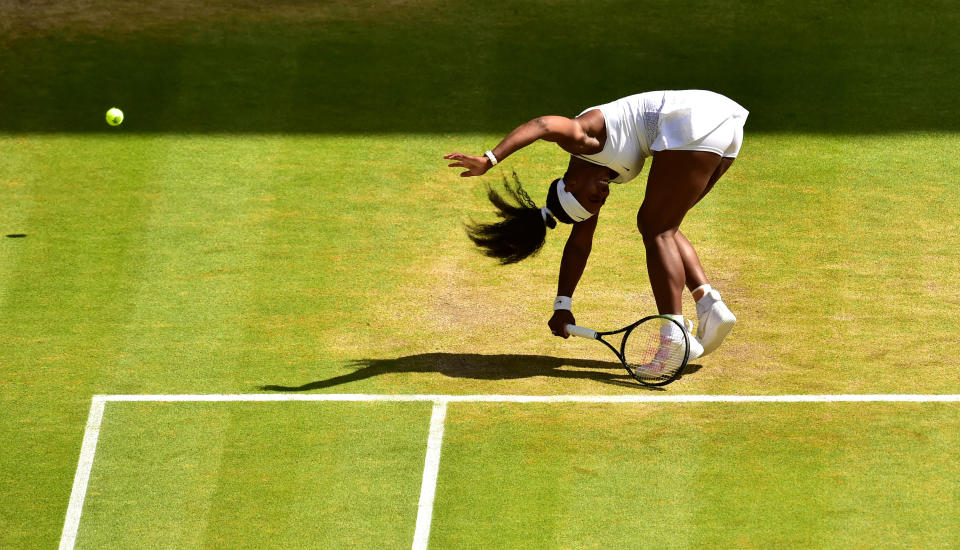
(114, 117)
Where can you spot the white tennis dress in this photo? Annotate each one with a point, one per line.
(638, 125)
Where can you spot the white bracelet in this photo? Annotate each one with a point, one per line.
(563, 302)
(490, 156)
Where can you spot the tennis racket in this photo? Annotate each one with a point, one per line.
(652, 351)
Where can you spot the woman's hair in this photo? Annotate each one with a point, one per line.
(521, 231)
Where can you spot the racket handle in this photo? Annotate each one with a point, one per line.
(582, 332)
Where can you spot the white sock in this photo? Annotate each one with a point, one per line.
(705, 288)
(670, 330)
(709, 298)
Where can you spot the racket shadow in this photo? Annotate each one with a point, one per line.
(480, 367)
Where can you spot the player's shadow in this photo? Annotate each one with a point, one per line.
(481, 367)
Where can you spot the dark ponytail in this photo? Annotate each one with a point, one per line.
(522, 230)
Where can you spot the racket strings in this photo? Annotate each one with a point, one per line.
(652, 355)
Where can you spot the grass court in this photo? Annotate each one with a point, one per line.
(274, 217)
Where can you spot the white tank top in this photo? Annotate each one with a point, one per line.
(634, 126)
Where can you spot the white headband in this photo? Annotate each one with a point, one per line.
(570, 204)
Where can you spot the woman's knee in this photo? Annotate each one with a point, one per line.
(652, 228)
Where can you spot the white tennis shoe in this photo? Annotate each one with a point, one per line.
(715, 321)
(670, 351)
(696, 347)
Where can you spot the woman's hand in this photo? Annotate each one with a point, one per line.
(558, 323)
(476, 166)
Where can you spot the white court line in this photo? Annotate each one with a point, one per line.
(629, 398)
(435, 440)
(80, 481)
(431, 467)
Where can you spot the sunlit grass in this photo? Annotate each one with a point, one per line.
(216, 261)
(203, 264)
(692, 476)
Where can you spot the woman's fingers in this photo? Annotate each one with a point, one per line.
(457, 157)
(471, 163)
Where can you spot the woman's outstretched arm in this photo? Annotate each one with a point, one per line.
(565, 132)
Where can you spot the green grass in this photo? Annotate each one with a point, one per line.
(189, 475)
(274, 212)
(178, 264)
(229, 475)
(428, 66)
(698, 476)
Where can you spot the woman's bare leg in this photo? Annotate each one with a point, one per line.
(693, 269)
(677, 181)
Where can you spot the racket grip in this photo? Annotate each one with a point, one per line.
(582, 332)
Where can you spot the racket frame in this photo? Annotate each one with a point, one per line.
(584, 332)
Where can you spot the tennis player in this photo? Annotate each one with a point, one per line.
(692, 135)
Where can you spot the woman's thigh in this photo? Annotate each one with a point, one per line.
(677, 181)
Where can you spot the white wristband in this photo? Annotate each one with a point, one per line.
(563, 302)
(490, 156)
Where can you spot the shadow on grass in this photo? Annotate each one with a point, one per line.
(823, 67)
(482, 367)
